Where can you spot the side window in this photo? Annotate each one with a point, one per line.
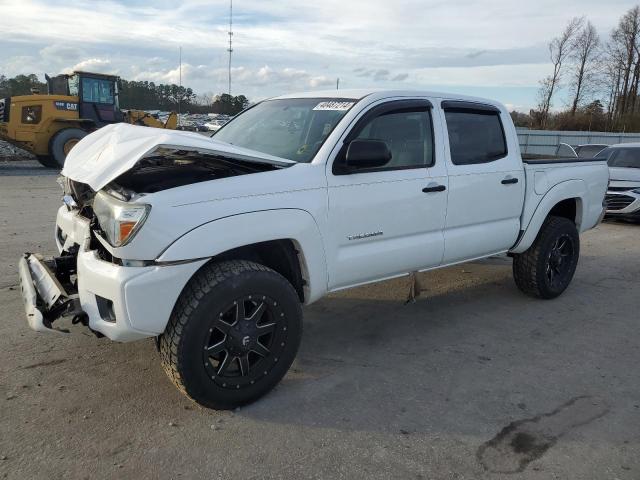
(408, 134)
(475, 136)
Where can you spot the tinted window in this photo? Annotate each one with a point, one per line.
(624, 157)
(408, 136)
(95, 90)
(475, 137)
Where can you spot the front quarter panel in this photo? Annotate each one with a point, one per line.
(235, 231)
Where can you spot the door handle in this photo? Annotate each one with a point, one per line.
(435, 188)
(508, 181)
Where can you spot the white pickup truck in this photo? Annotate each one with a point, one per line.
(212, 245)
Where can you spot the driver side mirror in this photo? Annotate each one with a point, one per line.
(367, 154)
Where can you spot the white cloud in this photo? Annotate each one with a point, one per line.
(95, 65)
(60, 53)
(486, 76)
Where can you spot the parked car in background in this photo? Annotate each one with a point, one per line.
(623, 194)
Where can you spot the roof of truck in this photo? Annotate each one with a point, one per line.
(377, 93)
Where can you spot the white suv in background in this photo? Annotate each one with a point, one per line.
(623, 194)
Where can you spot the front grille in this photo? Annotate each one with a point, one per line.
(619, 189)
(618, 202)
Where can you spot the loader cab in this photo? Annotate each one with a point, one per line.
(97, 95)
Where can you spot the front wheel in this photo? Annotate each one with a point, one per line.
(233, 334)
(547, 267)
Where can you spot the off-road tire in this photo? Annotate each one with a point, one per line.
(201, 302)
(60, 139)
(47, 161)
(530, 268)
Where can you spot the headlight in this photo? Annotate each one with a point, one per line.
(119, 220)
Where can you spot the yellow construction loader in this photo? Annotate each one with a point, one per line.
(75, 105)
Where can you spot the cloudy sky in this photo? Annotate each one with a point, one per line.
(494, 48)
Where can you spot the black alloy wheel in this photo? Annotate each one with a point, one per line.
(245, 341)
(559, 261)
(233, 333)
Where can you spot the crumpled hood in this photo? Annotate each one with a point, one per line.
(110, 151)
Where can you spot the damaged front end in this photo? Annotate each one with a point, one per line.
(105, 278)
(49, 290)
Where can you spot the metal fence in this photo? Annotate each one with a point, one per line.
(545, 142)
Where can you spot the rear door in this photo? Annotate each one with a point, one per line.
(382, 222)
(486, 182)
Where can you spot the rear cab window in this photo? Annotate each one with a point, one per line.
(476, 134)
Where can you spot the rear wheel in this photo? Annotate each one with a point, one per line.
(547, 267)
(62, 143)
(233, 334)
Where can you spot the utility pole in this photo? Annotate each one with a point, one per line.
(230, 49)
(179, 82)
(338, 83)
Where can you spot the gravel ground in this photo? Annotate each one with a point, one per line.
(10, 153)
(472, 381)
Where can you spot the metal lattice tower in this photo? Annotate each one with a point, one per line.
(230, 49)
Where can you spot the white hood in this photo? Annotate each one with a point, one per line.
(110, 151)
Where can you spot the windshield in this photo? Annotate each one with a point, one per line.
(621, 157)
(292, 128)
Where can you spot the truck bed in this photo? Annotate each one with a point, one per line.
(546, 160)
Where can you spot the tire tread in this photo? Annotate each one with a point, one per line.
(527, 264)
(203, 282)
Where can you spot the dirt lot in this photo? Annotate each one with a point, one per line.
(474, 380)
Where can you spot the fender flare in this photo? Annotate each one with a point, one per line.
(220, 235)
(559, 192)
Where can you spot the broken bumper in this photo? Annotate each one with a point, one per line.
(45, 299)
(122, 303)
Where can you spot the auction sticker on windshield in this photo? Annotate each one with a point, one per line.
(334, 106)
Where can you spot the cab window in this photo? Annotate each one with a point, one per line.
(96, 90)
(407, 132)
(475, 136)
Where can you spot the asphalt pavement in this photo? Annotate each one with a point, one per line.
(473, 380)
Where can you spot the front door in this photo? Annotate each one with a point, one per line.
(389, 220)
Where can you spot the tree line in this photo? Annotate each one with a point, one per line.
(600, 79)
(141, 95)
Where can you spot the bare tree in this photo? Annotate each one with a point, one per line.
(624, 40)
(584, 51)
(559, 49)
